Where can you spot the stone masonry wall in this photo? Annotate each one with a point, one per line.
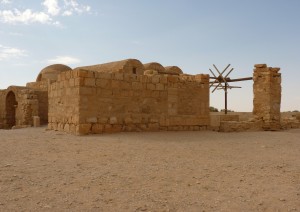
(114, 102)
(26, 106)
(63, 97)
(267, 96)
(41, 88)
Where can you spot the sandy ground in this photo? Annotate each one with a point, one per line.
(165, 171)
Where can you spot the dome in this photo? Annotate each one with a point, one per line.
(51, 72)
(155, 66)
(174, 70)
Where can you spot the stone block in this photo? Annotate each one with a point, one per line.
(160, 86)
(137, 85)
(67, 128)
(153, 126)
(104, 75)
(89, 82)
(36, 121)
(118, 76)
(83, 129)
(128, 120)
(103, 120)
(79, 81)
(150, 86)
(97, 128)
(173, 79)
(125, 85)
(113, 120)
(71, 82)
(91, 120)
(163, 79)
(82, 73)
(72, 128)
(108, 128)
(155, 79)
(260, 65)
(103, 83)
(115, 84)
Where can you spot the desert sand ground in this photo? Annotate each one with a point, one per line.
(159, 171)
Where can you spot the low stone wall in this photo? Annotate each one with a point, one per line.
(290, 123)
(217, 118)
(240, 126)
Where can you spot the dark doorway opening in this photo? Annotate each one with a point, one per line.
(134, 70)
(11, 104)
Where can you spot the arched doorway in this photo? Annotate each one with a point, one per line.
(11, 104)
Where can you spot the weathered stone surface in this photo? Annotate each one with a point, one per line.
(260, 65)
(36, 121)
(267, 96)
(240, 126)
(112, 97)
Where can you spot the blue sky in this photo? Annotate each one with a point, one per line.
(192, 34)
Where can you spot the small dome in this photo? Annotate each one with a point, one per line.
(155, 66)
(174, 70)
(51, 72)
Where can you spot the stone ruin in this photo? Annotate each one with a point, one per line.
(112, 97)
(266, 106)
(130, 96)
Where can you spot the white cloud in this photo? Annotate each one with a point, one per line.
(48, 16)
(52, 7)
(67, 13)
(67, 60)
(5, 1)
(7, 53)
(72, 6)
(25, 17)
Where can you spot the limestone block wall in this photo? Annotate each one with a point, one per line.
(97, 102)
(63, 97)
(41, 85)
(240, 126)
(43, 106)
(18, 106)
(41, 89)
(267, 96)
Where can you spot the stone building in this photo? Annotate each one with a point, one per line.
(112, 97)
(130, 96)
(18, 105)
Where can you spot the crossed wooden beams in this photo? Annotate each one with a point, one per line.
(221, 81)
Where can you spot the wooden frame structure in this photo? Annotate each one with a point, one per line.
(221, 81)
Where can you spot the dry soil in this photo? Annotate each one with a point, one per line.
(162, 171)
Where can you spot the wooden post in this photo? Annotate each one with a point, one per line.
(225, 98)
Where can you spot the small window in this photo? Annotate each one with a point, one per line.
(134, 70)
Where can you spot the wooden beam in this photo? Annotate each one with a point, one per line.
(240, 79)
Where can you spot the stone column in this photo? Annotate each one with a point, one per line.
(267, 96)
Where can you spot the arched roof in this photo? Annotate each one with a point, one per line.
(51, 72)
(174, 69)
(124, 66)
(155, 66)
